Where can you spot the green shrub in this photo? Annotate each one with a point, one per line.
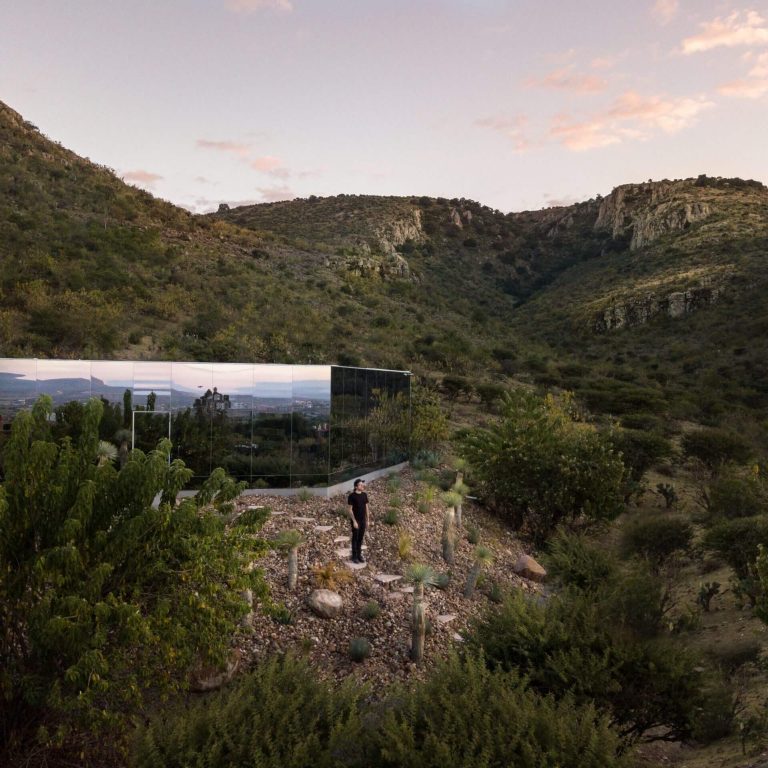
(465, 715)
(91, 574)
(442, 580)
(281, 715)
(737, 493)
(359, 649)
(584, 645)
(573, 560)
(253, 518)
(656, 538)
(370, 610)
(391, 517)
(640, 450)
(714, 447)
(737, 541)
(473, 534)
(279, 613)
(539, 466)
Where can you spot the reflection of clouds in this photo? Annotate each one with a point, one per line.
(268, 381)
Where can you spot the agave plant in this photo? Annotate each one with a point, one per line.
(483, 557)
(106, 453)
(290, 541)
(420, 576)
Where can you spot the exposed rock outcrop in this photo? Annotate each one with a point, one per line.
(645, 212)
(640, 309)
(528, 568)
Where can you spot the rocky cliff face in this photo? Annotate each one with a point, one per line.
(645, 212)
(640, 309)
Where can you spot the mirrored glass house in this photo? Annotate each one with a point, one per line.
(275, 426)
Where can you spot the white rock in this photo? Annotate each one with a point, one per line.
(325, 603)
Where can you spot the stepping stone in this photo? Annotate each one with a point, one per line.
(393, 596)
(444, 618)
(278, 512)
(458, 638)
(344, 553)
(386, 578)
(406, 590)
(255, 506)
(304, 519)
(355, 566)
(340, 539)
(323, 528)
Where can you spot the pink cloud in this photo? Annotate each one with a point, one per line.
(270, 165)
(665, 10)
(235, 147)
(251, 6)
(631, 117)
(142, 177)
(754, 86)
(275, 194)
(566, 79)
(740, 28)
(510, 127)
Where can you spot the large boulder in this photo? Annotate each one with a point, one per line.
(209, 678)
(325, 603)
(528, 568)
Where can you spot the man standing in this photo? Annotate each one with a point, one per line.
(358, 515)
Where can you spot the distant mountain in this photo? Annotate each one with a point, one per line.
(649, 300)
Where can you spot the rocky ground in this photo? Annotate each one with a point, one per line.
(325, 528)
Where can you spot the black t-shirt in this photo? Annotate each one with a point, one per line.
(358, 503)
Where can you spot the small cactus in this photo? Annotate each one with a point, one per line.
(359, 649)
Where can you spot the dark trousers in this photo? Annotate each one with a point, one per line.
(357, 539)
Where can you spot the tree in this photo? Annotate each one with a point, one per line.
(538, 466)
(103, 596)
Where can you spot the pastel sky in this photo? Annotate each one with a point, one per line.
(517, 104)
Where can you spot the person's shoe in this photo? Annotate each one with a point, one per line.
(355, 560)
(361, 559)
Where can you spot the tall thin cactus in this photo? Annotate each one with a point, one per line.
(290, 541)
(483, 557)
(449, 535)
(452, 500)
(420, 576)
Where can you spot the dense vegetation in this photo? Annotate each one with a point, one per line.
(106, 599)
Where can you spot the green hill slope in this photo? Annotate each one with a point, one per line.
(649, 300)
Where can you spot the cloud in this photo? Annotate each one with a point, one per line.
(234, 147)
(142, 177)
(754, 86)
(566, 79)
(510, 127)
(251, 6)
(275, 194)
(632, 117)
(665, 10)
(270, 165)
(740, 28)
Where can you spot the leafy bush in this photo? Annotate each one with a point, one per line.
(404, 545)
(331, 575)
(737, 541)
(714, 447)
(473, 534)
(737, 493)
(104, 596)
(281, 714)
(639, 449)
(574, 561)
(656, 538)
(442, 580)
(584, 645)
(467, 715)
(539, 466)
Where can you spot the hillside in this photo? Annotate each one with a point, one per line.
(648, 301)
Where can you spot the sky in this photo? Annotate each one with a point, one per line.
(517, 104)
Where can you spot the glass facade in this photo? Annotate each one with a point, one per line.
(274, 426)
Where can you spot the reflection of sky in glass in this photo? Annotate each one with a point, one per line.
(19, 370)
(312, 382)
(112, 373)
(48, 370)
